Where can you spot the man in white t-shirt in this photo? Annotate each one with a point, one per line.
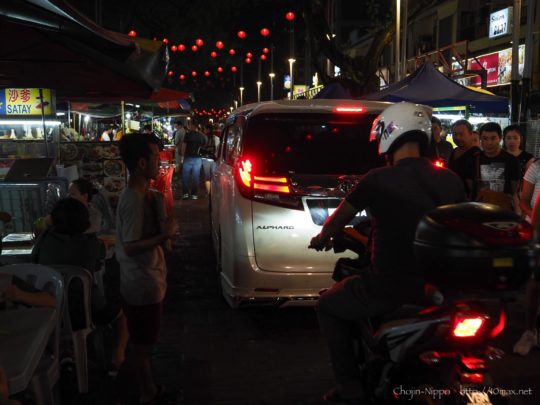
(142, 228)
(531, 186)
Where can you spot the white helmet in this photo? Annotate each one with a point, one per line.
(400, 123)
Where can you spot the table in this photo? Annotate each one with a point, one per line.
(24, 334)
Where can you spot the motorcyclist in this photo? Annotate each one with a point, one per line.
(397, 196)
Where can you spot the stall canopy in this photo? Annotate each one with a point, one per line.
(162, 103)
(429, 86)
(49, 44)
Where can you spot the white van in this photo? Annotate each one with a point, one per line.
(283, 167)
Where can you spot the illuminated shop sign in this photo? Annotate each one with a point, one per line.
(500, 23)
(498, 66)
(26, 102)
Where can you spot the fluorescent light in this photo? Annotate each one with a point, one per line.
(29, 122)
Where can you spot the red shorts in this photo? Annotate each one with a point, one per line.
(143, 322)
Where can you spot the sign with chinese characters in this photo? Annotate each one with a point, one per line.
(500, 22)
(26, 102)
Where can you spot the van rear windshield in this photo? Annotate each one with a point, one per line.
(311, 144)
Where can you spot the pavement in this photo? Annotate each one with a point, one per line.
(211, 354)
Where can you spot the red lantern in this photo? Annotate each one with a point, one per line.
(265, 32)
(194, 48)
(199, 42)
(289, 16)
(182, 77)
(181, 47)
(241, 34)
(194, 74)
(234, 69)
(207, 73)
(263, 57)
(170, 73)
(165, 40)
(219, 45)
(249, 55)
(213, 54)
(266, 50)
(174, 48)
(248, 60)
(232, 51)
(132, 33)
(220, 69)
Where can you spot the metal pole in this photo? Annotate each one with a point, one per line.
(398, 41)
(123, 117)
(527, 69)
(43, 122)
(404, 40)
(514, 95)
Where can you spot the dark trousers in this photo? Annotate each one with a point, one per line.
(339, 310)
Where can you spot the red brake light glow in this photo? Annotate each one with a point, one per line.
(439, 163)
(350, 110)
(272, 184)
(244, 170)
(467, 327)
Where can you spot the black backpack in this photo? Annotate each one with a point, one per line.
(208, 151)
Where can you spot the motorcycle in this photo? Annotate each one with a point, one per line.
(477, 256)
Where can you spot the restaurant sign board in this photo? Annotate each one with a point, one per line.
(26, 102)
(500, 22)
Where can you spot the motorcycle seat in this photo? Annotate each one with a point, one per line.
(400, 316)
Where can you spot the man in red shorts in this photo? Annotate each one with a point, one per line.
(142, 229)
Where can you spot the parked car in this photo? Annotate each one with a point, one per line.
(283, 167)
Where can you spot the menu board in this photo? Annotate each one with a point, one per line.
(98, 162)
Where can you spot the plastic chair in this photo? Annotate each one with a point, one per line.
(79, 336)
(48, 372)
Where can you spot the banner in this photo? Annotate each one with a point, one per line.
(26, 102)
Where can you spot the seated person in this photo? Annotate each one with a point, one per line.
(66, 243)
(83, 190)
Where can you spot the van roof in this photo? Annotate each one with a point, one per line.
(311, 106)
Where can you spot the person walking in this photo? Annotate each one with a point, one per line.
(193, 140)
(178, 139)
(209, 155)
(461, 160)
(495, 175)
(512, 141)
(142, 231)
(443, 148)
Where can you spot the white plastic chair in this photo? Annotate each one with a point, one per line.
(48, 372)
(78, 337)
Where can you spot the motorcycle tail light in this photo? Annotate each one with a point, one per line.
(467, 326)
(471, 378)
(430, 358)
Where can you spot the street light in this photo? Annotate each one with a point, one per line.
(259, 91)
(235, 104)
(272, 75)
(241, 96)
(291, 61)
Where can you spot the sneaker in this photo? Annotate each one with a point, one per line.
(194, 197)
(526, 342)
(185, 196)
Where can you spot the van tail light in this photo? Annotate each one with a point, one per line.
(274, 190)
(272, 184)
(467, 326)
(348, 110)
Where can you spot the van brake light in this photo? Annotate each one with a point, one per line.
(349, 110)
